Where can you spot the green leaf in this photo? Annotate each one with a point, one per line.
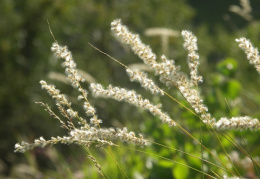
(166, 164)
(232, 88)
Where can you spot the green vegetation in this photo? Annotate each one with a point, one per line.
(230, 87)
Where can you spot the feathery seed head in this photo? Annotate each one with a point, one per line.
(251, 52)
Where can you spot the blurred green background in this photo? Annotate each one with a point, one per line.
(25, 59)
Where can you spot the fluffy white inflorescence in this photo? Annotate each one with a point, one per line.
(86, 137)
(23, 147)
(131, 97)
(190, 43)
(90, 110)
(108, 134)
(55, 93)
(168, 72)
(72, 113)
(61, 101)
(41, 142)
(143, 51)
(251, 52)
(171, 75)
(237, 123)
(69, 64)
(95, 121)
(74, 77)
(141, 77)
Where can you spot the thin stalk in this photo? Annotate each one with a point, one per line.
(172, 161)
(189, 155)
(114, 159)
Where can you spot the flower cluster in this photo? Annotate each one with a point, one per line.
(62, 103)
(55, 93)
(190, 43)
(74, 77)
(24, 146)
(131, 97)
(141, 77)
(108, 134)
(143, 51)
(169, 73)
(251, 52)
(245, 122)
(88, 134)
(69, 64)
(90, 110)
(86, 137)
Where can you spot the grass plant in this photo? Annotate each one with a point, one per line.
(88, 131)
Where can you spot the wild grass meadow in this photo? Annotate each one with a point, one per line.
(142, 102)
(91, 133)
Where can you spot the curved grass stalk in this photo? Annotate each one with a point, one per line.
(114, 159)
